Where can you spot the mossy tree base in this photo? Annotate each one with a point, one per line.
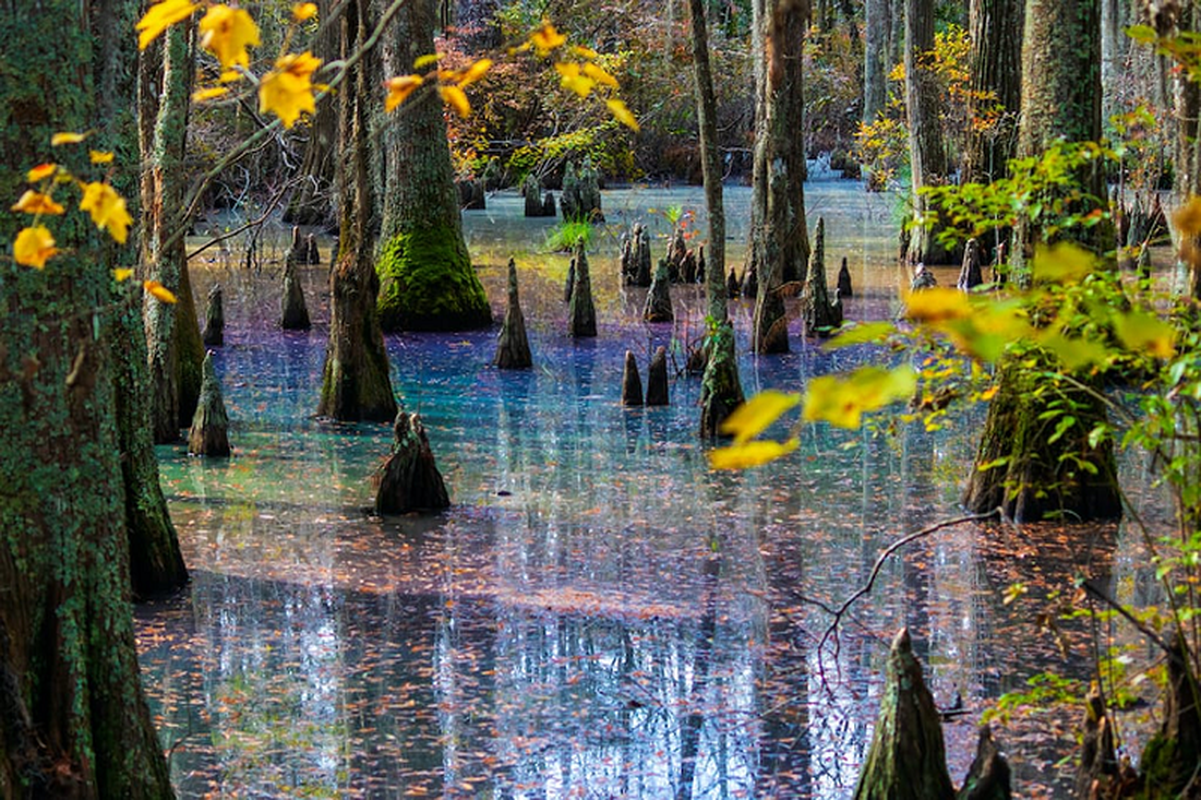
(428, 283)
(721, 389)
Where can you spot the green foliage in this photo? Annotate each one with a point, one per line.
(562, 237)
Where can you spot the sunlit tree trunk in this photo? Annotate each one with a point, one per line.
(996, 88)
(73, 719)
(715, 279)
(927, 153)
(172, 330)
(427, 280)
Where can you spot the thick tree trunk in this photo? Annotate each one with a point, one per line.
(710, 161)
(996, 88)
(354, 382)
(927, 153)
(73, 719)
(427, 280)
(876, 62)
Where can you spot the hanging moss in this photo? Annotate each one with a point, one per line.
(428, 284)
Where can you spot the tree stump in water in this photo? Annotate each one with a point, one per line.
(907, 759)
(844, 281)
(209, 434)
(636, 258)
(721, 390)
(750, 282)
(410, 480)
(581, 312)
(513, 347)
(971, 274)
(656, 378)
(580, 200)
(298, 252)
(677, 251)
(312, 253)
(988, 777)
(471, 195)
(537, 205)
(294, 314)
(732, 286)
(631, 382)
(820, 316)
(658, 299)
(214, 318)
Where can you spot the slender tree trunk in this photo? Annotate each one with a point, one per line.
(355, 383)
(715, 280)
(876, 61)
(73, 719)
(312, 202)
(927, 153)
(428, 282)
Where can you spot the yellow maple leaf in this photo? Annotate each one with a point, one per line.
(107, 209)
(200, 95)
(158, 290)
(474, 72)
(122, 274)
(226, 33)
(599, 75)
(33, 246)
(546, 39)
(41, 171)
(37, 203)
(287, 90)
(755, 415)
(303, 12)
(622, 113)
(100, 156)
(159, 17)
(573, 79)
(750, 454)
(67, 138)
(399, 88)
(454, 97)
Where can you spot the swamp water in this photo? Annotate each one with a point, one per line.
(598, 615)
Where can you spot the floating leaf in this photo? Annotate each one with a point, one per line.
(399, 88)
(100, 156)
(474, 72)
(107, 209)
(122, 274)
(37, 203)
(287, 91)
(755, 415)
(454, 97)
(842, 399)
(226, 33)
(200, 95)
(67, 138)
(546, 39)
(750, 454)
(1145, 332)
(303, 12)
(158, 290)
(159, 17)
(33, 246)
(40, 171)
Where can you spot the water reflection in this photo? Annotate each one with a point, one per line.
(598, 615)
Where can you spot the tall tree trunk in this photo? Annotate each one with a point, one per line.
(73, 719)
(172, 331)
(876, 58)
(428, 282)
(312, 201)
(711, 171)
(785, 246)
(927, 154)
(996, 88)
(355, 383)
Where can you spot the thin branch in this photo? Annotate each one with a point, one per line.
(271, 206)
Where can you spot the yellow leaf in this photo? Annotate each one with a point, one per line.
(100, 156)
(230, 76)
(67, 138)
(426, 60)
(936, 305)
(226, 33)
(1187, 218)
(474, 72)
(754, 416)
(159, 17)
(303, 12)
(37, 203)
(546, 39)
(599, 75)
(573, 80)
(456, 99)
(159, 291)
(621, 113)
(843, 399)
(1146, 332)
(584, 52)
(1062, 263)
(107, 209)
(33, 246)
(122, 274)
(200, 95)
(749, 454)
(287, 90)
(41, 171)
(399, 88)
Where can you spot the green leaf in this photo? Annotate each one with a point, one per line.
(1062, 263)
(861, 333)
(1144, 332)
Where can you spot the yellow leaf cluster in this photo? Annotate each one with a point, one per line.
(100, 157)
(33, 246)
(748, 421)
(287, 91)
(456, 98)
(399, 88)
(40, 172)
(37, 203)
(159, 291)
(843, 399)
(547, 39)
(161, 16)
(226, 33)
(303, 12)
(107, 209)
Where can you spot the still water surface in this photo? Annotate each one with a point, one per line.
(598, 615)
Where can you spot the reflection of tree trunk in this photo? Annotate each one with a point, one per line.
(694, 720)
(312, 202)
(715, 280)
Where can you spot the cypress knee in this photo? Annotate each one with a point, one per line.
(631, 382)
(294, 314)
(209, 433)
(581, 311)
(214, 318)
(410, 480)
(820, 315)
(971, 273)
(844, 280)
(513, 347)
(988, 776)
(658, 299)
(656, 378)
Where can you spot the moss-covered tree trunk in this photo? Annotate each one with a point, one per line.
(73, 719)
(172, 330)
(427, 280)
(927, 152)
(354, 382)
(706, 102)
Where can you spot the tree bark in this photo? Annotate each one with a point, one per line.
(427, 280)
(996, 88)
(73, 719)
(711, 170)
(355, 383)
(927, 152)
(312, 201)
(876, 62)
